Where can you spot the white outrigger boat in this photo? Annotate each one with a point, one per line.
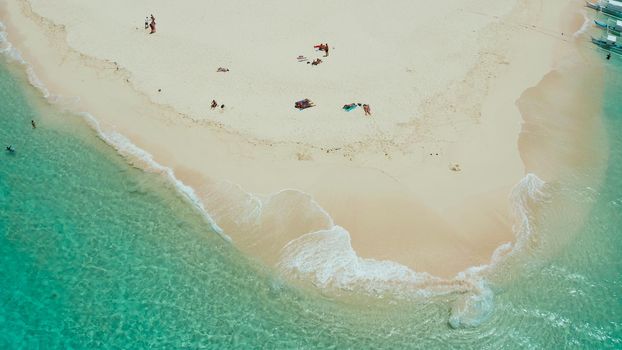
(610, 7)
(611, 25)
(610, 43)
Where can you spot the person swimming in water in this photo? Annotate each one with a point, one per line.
(10, 149)
(32, 122)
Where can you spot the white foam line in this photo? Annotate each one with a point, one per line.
(126, 148)
(313, 201)
(122, 144)
(584, 27)
(327, 259)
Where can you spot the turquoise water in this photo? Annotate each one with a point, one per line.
(97, 254)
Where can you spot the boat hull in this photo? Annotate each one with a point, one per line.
(607, 46)
(606, 26)
(604, 9)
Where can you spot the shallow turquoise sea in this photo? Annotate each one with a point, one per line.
(95, 254)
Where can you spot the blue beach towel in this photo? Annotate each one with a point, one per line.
(349, 107)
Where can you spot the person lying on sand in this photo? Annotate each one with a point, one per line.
(221, 69)
(316, 62)
(214, 104)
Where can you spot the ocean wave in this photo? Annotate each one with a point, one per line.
(130, 151)
(476, 307)
(263, 224)
(327, 259)
(317, 250)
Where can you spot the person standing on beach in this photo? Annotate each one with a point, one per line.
(367, 109)
(152, 25)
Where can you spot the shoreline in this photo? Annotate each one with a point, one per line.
(258, 155)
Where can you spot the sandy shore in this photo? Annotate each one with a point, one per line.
(442, 80)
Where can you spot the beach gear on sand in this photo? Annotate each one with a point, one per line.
(349, 107)
(303, 104)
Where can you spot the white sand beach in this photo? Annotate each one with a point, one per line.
(442, 80)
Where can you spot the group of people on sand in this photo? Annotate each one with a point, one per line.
(315, 62)
(150, 23)
(305, 103)
(322, 47)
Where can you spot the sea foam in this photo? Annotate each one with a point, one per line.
(327, 259)
(587, 21)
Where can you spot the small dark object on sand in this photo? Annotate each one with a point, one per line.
(303, 104)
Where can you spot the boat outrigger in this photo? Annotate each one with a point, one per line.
(610, 7)
(610, 44)
(614, 26)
